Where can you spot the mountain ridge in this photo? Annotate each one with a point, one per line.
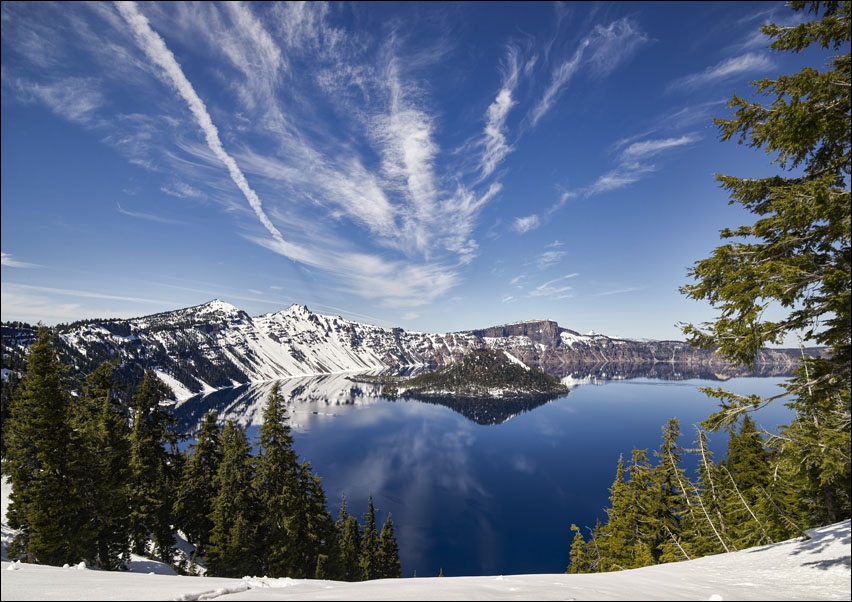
(215, 345)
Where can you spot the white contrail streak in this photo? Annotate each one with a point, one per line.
(157, 51)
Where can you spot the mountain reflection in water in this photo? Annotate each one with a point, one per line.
(473, 493)
(321, 394)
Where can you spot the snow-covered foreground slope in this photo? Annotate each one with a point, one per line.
(815, 569)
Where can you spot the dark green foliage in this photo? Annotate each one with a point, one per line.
(152, 468)
(368, 560)
(389, 565)
(704, 527)
(671, 488)
(617, 538)
(477, 375)
(195, 494)
(310, 529)
(234, 548)
(349, 538)
(276, 482)
(42, 506)
(15, 362)
(795, 258)
(101, 471)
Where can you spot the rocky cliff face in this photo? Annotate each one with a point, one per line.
(216, 345)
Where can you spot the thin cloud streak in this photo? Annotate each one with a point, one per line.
(746, 63)
(9, 262)
(647, 148)
(552, 290)
(84, 294)
(155, 48)
(146, 216)
(607, 47)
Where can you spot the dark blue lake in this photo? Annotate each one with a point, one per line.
(482, 499)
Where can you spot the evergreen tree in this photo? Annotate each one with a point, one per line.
(368, 561)
(234, 549)
(43, 505)
(389, 564)
(310, 528)
(617, 538)
(670, 496)
(277, 483)
(704, 527)
(349, 536)
(796, 257)
(577, 560)
(746, 472)
(194, 500)
(644, 496)
(16, 365)
(324, 552)
(102, 469)
(151, 465)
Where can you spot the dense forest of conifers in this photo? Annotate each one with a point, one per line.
(97, 474)
(658, 514)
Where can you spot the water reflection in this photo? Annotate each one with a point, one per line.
(489, 411)
(603, 372)
(313, 397)
(310, 398)
(471, 496)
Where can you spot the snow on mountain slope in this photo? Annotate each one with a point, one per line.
(217, 345)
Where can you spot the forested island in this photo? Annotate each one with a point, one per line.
(481, 374)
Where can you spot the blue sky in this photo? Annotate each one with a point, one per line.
(433, 166)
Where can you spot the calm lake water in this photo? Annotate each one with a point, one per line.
(492, 496)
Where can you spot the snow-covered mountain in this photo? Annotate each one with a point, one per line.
(217, 345)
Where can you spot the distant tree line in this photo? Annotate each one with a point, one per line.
(96, 477)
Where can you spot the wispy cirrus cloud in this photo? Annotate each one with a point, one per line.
(647, 148)
(560, 76)
(494, 144)
(750, 62)
(146, 216)
(604, 49)
(182, 190)
(395, 284)
(549, 258)
(527, 223)
(619, 291)
(354, 172)
(156, 50)
(76, 99)
(554, 289)
(10, 262)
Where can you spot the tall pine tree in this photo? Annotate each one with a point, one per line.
(44, 507)
(151, 466)
(369, 558)
(235, 543)
(795, 258)
(349, 538)
(102, 469)
(389, 564)
(276, 482)
(194, 499)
